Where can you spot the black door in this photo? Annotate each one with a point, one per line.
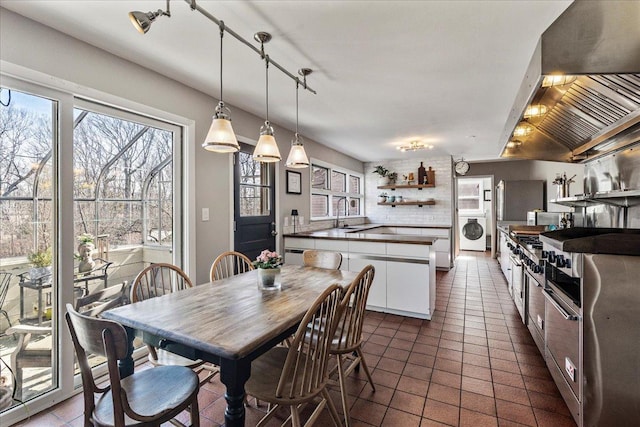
(254, 204)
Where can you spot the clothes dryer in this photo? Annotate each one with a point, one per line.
(473, 233)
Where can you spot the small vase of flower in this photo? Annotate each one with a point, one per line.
(268, 264)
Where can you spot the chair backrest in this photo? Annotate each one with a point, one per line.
(5, 279)
(157, 280)
(322, 259)
(305, 370)
(102, 300)
(349, 331)
(103, 338)
(229, 264)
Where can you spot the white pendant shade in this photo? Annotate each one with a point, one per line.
(267, 150)
(297, 157)
(221, 138)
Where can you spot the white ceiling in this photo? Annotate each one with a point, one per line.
(386, 72)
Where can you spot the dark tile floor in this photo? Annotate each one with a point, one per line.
(474, 364)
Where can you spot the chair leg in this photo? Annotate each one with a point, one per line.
(366, 368)
(195, 413)
(332, 408)
(295, 416)
(343, 390)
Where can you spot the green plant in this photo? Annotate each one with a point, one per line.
(381, 170)
(392, 176)
(86, 238)
(41, 258)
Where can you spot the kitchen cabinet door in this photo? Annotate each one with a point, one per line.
(378, 292)
(408, 287)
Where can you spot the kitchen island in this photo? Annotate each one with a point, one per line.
(405, 280)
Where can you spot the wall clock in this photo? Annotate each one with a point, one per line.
(462, 167)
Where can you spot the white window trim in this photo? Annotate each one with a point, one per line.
(331, 167)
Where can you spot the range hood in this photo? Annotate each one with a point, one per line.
(596, 44)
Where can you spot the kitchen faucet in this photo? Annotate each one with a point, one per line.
(337, 224)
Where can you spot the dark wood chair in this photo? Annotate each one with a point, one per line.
(322, 259)
(297, 375)
(36, 353)
(229, 264)
(150, 397)
(348, 337)
(162, 279)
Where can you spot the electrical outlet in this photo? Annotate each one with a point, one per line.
(205, 214)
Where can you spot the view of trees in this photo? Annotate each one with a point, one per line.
(123, 182)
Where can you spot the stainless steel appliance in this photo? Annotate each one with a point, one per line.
(592, 322)
(515, 198)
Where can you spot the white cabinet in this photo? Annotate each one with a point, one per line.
(378, 293)
(406, 286)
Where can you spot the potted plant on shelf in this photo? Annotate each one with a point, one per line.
(393, 176)
(41, 262)
(383, 172)
(382, 197)
(268, 264)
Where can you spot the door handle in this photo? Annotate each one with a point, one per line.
(567, 316)
(274, 233)
(273, 229)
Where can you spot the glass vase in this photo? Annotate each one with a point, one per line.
(269, 278)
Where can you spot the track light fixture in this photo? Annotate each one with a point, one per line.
(221, 138)
(266, 150)
(142, 21)
(414, 146)
(297, 156)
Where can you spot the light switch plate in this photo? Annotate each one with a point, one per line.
(205, 214)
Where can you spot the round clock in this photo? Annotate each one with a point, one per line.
(462, 167)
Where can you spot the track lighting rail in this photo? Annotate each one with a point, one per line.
(224, 27)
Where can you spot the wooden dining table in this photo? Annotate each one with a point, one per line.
(228, 322)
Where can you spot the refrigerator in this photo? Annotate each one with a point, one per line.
(515, 198)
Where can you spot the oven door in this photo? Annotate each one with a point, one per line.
(563, 347)
(517, 284)
(535, 310)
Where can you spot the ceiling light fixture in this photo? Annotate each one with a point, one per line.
(557, 80)
(142, 21)
(414, 146)
(266, 150)
(535, 111)
(221, 138)
(523, 129)
(297, 158)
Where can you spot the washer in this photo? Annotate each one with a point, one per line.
(472, 233)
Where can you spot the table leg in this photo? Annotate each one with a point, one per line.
(234, 374)
(125, 366)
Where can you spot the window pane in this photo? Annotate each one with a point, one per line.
(354, 207)
(339, 205)
(468, 189)
(319, 177)
(354, 184)
(338, 181)
(319, 205)
(27, 244)
(251, 171)
(254, 200)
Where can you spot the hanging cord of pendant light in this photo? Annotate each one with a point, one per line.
(297, 158)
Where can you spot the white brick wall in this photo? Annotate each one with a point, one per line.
(439, 214)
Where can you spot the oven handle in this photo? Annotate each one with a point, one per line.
(532, 278)
(549, 295)
(515, 261)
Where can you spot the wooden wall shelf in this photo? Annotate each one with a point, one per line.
(394, 186)
(420, 204)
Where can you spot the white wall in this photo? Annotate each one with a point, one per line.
(438, 214)
(28, 44)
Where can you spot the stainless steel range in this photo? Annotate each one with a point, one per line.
(592, 325)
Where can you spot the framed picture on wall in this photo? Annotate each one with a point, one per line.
(294, 182)
(487, 195)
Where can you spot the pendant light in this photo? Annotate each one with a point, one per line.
(297, 156)
(266, 150)
(221, 138)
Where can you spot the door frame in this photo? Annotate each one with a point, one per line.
(494, 228)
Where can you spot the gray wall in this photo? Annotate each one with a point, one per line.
(32, 45)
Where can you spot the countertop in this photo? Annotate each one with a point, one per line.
(354, 233)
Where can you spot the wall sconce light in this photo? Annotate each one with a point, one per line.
(142, 21)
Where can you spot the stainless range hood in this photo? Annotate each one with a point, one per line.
(598, 110)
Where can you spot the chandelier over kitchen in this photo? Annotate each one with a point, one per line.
(414, 146)
(221, 138)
